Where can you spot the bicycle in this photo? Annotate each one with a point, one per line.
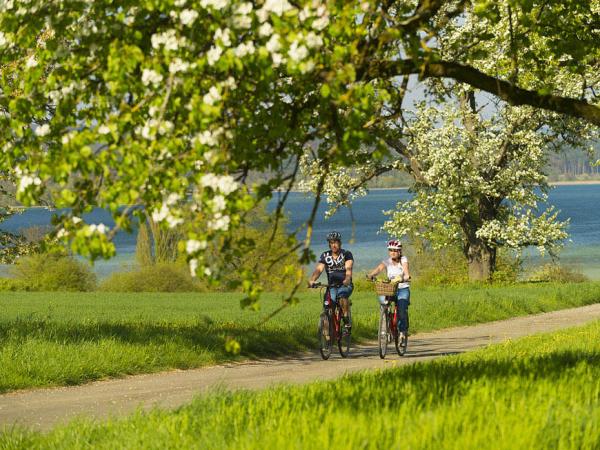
(388, 320)
(330, 325)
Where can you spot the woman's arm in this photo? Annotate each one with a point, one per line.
(376, 270)
(405, 271)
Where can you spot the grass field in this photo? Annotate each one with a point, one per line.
(536, 393)
(51, 339)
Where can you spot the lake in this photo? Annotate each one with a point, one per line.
(580, 203)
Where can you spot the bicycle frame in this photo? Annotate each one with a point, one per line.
(334, 312)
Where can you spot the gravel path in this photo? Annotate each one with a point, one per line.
(43, 408)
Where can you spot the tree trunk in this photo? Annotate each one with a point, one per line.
(481, 260)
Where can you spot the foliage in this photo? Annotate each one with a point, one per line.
(54, 272)
(70, 338)
(554, 272)
(172, 104)
(10, 284)
(159, 277)
(538, 392)
(143, 246)
(260, 253)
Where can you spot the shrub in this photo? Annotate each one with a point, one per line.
(51, 272)
(556, 272)
(10, 284)
(161, 277)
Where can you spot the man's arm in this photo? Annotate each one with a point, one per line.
(348, 277)
(318, 270)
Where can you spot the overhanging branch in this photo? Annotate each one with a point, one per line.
(505, 90)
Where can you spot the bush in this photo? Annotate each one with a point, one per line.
(557, 273)
(161, 277)
(50, 272)
(10, 284)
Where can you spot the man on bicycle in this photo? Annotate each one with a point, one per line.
(337, 263)
(396, 267)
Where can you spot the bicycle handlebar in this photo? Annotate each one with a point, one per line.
(320, 285)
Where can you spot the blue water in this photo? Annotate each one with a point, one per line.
(580, 203)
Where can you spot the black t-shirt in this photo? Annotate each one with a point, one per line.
(335, 267)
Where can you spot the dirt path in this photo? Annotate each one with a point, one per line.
(43, 408)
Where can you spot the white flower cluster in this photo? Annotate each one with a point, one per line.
(3, 39)
(42, 130)
(26, 180)
(212, 96)
(150, 76)
(169, 212)
(193, 246)
(168, 39)
(220, 183)
(214, 4)
(96, 229)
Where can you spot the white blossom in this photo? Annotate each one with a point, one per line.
(193, 246)
(320, 23)
(222, 183)
(313, 40)
(297, 52)
(277, 7)
(215, 4)
(3, 40)
(245, 48)
(27, 180)
(265, 29)
(212, 97)
(193, 263)
(273, 45)
(102, 129)
(168, 39)
(150, 76)
(188, 16)
(223, 35)
(31, 62)
(218, 203)
(278, 59)
(177, 65)
(213, 55)
(42, 130)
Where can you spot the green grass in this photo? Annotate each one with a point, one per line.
(49, 339)
(536, 393)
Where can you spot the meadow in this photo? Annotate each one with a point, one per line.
(535, 393)
(53, 339)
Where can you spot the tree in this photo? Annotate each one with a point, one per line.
(171, 104)
(478, 182)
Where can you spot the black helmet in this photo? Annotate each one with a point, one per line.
(334, 236)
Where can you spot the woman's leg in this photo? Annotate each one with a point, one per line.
(403, 302)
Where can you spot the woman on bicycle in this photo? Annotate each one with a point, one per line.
(397, 271)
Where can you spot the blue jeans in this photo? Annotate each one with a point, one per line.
(342, 291)
(402, 302)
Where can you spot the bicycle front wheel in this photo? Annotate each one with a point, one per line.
(344, 339)
(325, 335)
(382, 337)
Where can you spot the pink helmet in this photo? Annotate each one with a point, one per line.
(394, 245)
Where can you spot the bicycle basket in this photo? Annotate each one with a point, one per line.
(386, 288)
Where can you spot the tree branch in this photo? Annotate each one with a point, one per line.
(505, 90)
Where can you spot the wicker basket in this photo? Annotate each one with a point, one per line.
(386, 288)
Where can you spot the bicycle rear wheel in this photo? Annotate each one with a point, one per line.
(325, 335)
(343, 337)
(382, 337)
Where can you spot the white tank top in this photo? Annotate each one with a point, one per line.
(394, 270)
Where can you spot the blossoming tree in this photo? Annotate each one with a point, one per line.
(171, 104)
